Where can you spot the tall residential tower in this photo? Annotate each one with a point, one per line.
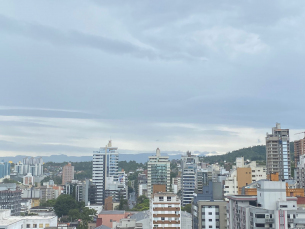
(189, 177)
(278, 152)
(105, 165)
(158, 172)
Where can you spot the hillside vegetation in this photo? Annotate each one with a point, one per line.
(254, 153)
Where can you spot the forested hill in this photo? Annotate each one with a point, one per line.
(254, 153)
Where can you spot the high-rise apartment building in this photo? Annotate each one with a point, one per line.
(299, 149)
(278, 152)
(299, 172)
(67, 173)
(33, 165)
(165, 210)
(158, 172)
(105, 165)
(5, 169)
(10, 198)
(189, 177)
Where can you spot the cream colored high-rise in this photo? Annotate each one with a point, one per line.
(158, 172)
(67, 173)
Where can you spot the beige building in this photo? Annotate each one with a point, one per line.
(278, 152)
(165, 210)
(299, 149)
(244, 178)
(67, 173)
(241, 175)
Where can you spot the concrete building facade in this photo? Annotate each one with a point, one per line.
(105, 165)
(10, 198)
(67, 173)
(189, 177)
(299, 149)
(165, 211)
(278, 152)
(158, 172)
(269, 209)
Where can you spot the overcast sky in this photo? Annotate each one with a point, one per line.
(208, 76)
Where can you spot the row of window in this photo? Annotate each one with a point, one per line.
(36, 225)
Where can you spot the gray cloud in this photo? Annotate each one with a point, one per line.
(209, 72)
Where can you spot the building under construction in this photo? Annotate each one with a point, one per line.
(10, 198)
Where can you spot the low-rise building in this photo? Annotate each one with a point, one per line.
(271, 208)
(12, 222)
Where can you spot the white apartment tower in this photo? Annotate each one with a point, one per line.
(105, 165)
(33, 165)
(278, 152)
(158, 172)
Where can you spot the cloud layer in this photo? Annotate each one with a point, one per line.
(207, 76)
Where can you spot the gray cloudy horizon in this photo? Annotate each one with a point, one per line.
(207, 76)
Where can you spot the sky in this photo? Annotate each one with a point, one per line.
(206, 76)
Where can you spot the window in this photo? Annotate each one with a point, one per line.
(169, 198)
(34, 225)
(41, 225)
(47, 225)
(210, 220)
(162, 218)
(160, 198)
(210, 213)
(28, 226)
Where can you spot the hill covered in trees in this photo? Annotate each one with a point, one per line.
(254, 153)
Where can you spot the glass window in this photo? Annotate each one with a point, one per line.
(41, 225)
(28, 226)
(34, 225)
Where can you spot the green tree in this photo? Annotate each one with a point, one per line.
(48, 203)
(10, 181)
(187, 208)
(64, 203)
(142, 204)
(56, 179)
(123, 205)
(74, 214)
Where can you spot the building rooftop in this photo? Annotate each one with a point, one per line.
(9, 221)
(140, 215)
(164, 194)
(32, 217)
(102, 227)
(114, 212)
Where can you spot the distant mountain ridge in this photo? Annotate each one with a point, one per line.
(138, 157)
(253, 153)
